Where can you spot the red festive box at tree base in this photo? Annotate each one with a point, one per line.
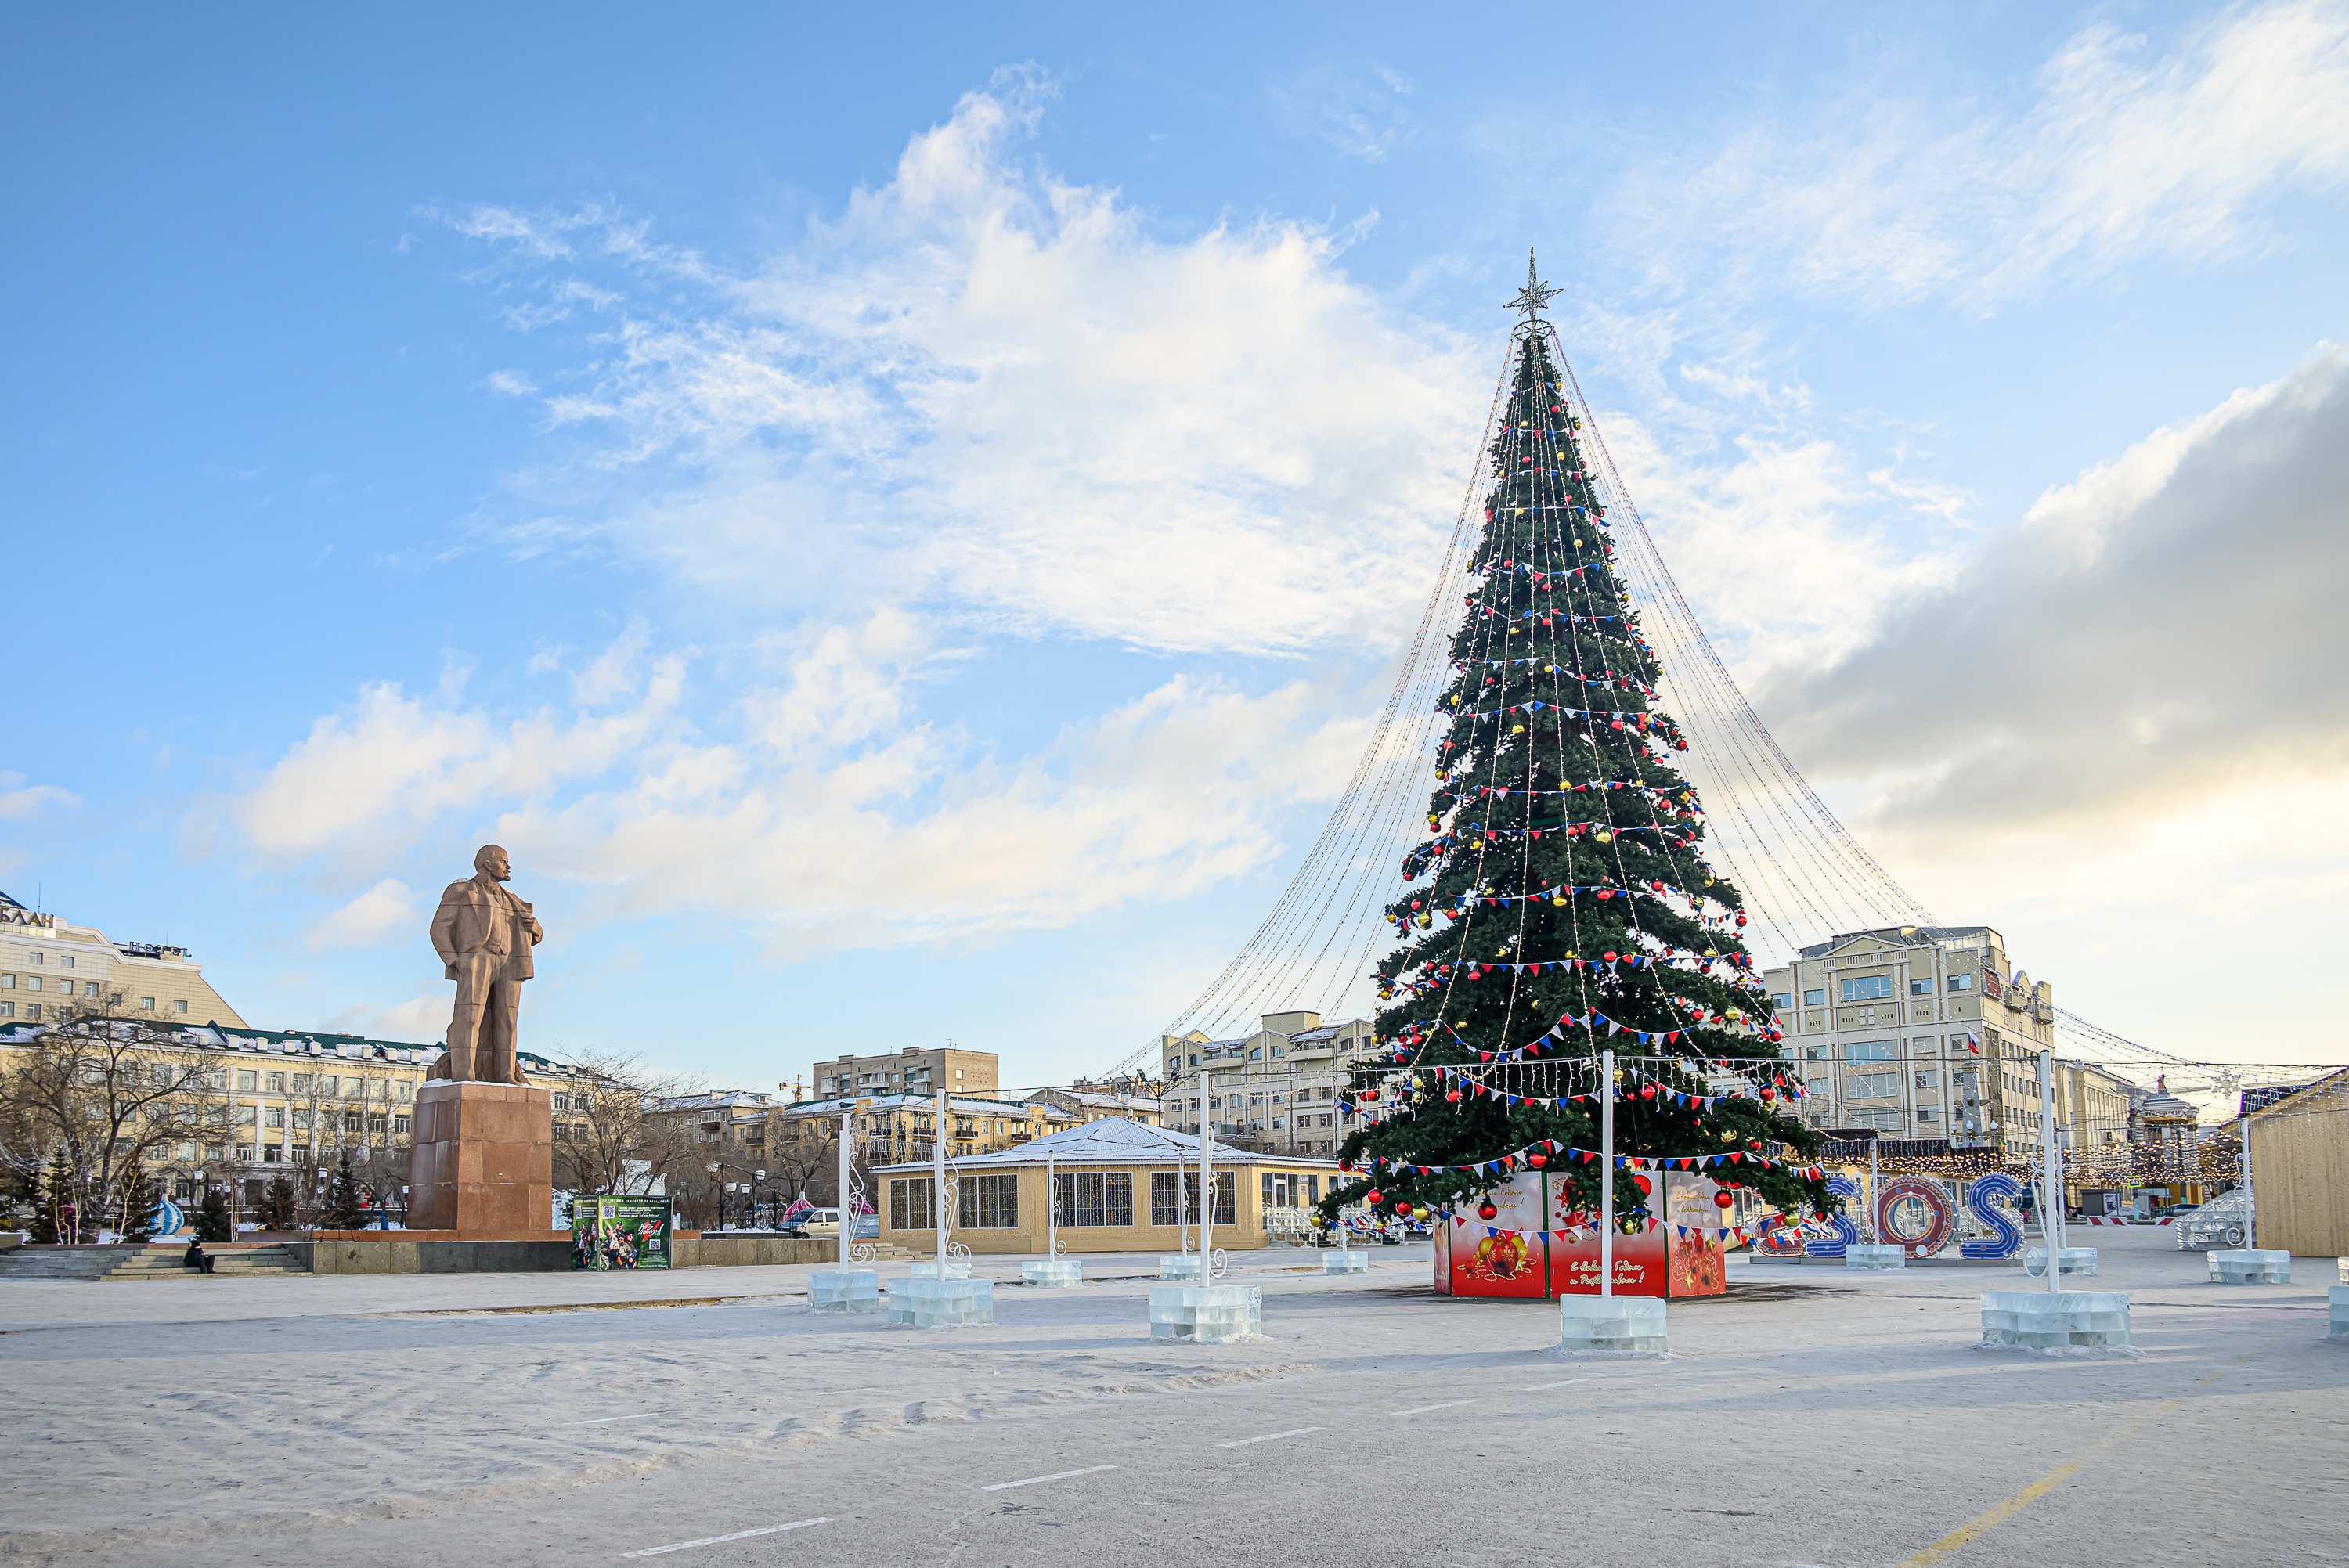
(1522, 1251)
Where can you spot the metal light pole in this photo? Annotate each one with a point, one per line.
(1607, 1181)
(721, 1195)
(1051, 1208)
(2051, 1187)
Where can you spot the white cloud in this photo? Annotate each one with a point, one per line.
(21, 802)
(995, 394)
(367, 781)
(2159, 637)
(2122, 149)
(384, 911)
(513, 383)
(421, 1020)
(835, 815)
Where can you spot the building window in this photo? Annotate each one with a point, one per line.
(1962, 982)
(910, 1206)
(351, 1122)
(272, 1116)
(1782, 1002)
(1869, 1050)
(993, 1201)
(1888, 1120)
(1872, 1086)
(64, 961)
(179, 1006)
(1921, 987)
(1814, 999)
(1162, 1210)
(32, 982)
(1868, 988)
(1927, 1080)
(146, 1003)
(1094, 1197)
(400, 1126)
(273, 1082)
(247, 1082)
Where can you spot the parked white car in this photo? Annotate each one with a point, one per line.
(825, 1222)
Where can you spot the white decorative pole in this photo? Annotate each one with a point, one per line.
(1874, 1239)
(2250, 1201)
(2051, 1187)
(1206, 1199)
(939, 1181)
(847, 1175)
(1607, 1180)
(1051, 1208)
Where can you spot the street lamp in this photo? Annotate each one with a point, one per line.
(714, 1171)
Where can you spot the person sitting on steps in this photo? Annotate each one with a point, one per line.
(195, 1257)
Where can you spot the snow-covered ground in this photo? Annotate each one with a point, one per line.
(1812, 1416)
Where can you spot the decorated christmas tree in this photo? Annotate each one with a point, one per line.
(1563, 904)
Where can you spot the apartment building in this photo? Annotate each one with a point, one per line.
(280, 1099)
(52, 969)
(913, 1071)
(1918, 1032)
(1274, 1090)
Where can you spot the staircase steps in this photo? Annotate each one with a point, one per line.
(157, 1262)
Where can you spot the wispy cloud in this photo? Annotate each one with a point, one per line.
(2125, 149)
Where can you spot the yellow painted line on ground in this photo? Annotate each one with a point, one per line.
(1981, 1522)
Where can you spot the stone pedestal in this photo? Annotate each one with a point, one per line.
(1055, 1273)
(2070, 1261)
(1864, 1255)
(482, 1158)
(1206, 1313)
(2055, 1320)
(1613, 1325)
(2257, 1266)
(1345, 1259)
(844, 1290)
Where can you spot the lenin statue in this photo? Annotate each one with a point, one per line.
(484, 935)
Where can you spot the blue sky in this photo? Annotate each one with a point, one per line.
(899, 520)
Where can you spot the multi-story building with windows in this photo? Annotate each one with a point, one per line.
(52, 969)
(1090, 1102)
(284, 1100)
(913, 1071)
(1917, 1032)
(1275, 1090)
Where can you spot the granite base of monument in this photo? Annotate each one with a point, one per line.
(483, 1158)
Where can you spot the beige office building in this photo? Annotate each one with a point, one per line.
(51, 969)
(1274, 1090)
(1884, 1025)
(913, 1071)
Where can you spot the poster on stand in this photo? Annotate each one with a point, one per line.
(1506, 1255)
(622, 1234)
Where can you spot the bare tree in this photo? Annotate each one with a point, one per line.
(610, 1136)
(103, 1090)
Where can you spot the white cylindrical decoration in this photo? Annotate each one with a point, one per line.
(2050, 1186)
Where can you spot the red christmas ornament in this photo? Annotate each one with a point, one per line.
(1485, 1210)
(1372, 1196)
(1345, 1165)
(1647, 1091)
(1724, 1199)
(1537, 1161)
(1402, 1211)
(1768, 1095)
(1454, 1097)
